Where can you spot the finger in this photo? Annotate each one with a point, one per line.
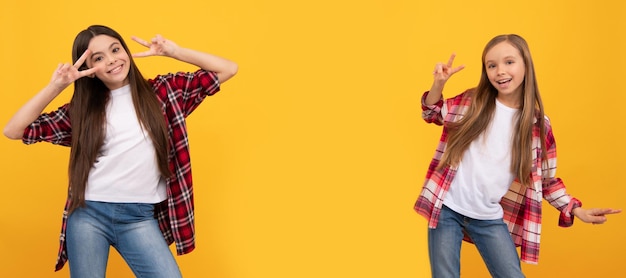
(438, 68)
(142, 54)
(158, 39)
(598, 220)
(141, 41)
(457, 69)
(90, 71)
(58, 69)
(63, 68)
(614, 211)
(451, 60)
(82, 58)
(606, 211)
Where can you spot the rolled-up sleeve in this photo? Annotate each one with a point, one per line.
(187, 90)
(432, 113)
(54, 127)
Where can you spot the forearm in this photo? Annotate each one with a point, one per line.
(435, 94)
(29, 112)
(225, 69)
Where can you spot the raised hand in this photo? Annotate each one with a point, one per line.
(66, 73)
(443, 71)
(159, 46)
(62, 77)
(441, 75)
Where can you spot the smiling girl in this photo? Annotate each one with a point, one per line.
(495, 162)
(130, 182)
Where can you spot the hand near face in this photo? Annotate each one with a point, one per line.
(66, 73)
(159, 46)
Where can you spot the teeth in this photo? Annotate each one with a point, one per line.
(504, 81)
(115, 69)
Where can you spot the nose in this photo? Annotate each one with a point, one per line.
(111, 59)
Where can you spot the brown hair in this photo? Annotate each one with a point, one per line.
(482, 108)
(88, 116)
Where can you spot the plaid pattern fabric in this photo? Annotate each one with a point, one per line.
(180, 94)
(521, 204)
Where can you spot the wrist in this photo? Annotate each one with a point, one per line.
(53, 89)
(177, 53)
(573, 212)
(437, 86)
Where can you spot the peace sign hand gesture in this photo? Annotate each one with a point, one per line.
(62, 77)
(443, 72)
(159, 46)
(441, 75)
(66, 74)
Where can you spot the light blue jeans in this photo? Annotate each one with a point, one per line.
(130, 228)
(491, 237)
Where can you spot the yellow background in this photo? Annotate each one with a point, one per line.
(308, 162)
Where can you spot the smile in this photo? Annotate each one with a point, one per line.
(115, 70)
(503, 81)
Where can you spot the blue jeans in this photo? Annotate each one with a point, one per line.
(130, 228)
(491, 237)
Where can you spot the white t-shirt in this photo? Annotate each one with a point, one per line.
(484, 173)
(126, 169)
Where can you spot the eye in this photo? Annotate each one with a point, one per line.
(510, 62)
(97, 59)
(490, 66)
(115, 50)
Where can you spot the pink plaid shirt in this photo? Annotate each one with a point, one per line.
(179, 94)
(521, 205)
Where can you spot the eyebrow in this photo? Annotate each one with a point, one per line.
(507, 57)
(110, 46)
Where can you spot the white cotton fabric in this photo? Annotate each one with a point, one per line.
(484, 173)
(126, 169)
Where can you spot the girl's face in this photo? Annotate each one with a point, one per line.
(109, 55)
(506, 71)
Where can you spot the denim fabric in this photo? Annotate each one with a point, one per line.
(130, 228)
(491, 237)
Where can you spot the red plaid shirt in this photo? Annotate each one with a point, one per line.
(179, 94)
(521, 204)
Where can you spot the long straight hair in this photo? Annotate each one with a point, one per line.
(88, 116)
(482, 108)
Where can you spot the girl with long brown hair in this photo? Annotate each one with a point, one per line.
(495, 162)
(130, 182)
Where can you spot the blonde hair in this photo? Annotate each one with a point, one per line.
(481, 110)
